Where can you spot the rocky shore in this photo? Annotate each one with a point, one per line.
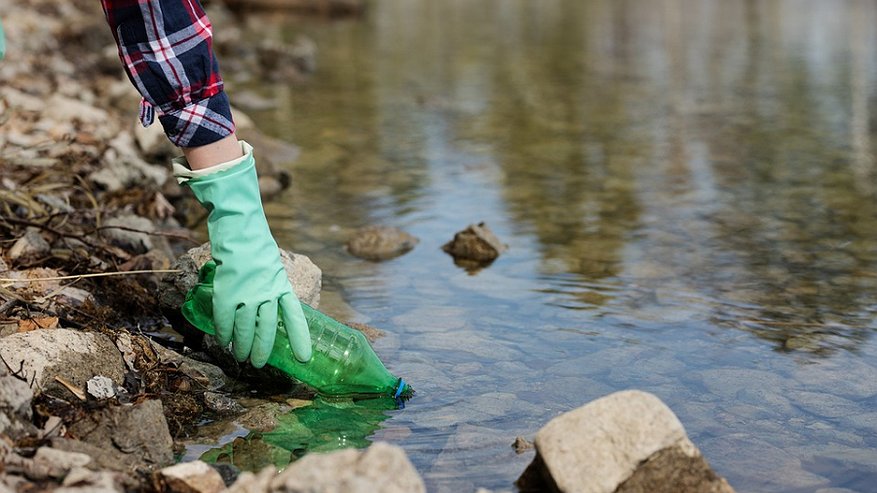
(96, 254)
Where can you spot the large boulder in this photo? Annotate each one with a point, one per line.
(627, 442)
(48, 357)
(381, 467)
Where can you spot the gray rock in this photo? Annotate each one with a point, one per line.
(627, 441)
(671, 470)
(173, 287)
(31, 246)
(70, 296)
(60, 459)
(304, 275)
(15, 411)
(119, 231)
(8, 483)
(101, 458)
(100, 387)
(22, 101)
(381, 467)
(135, 433)
(152, 142)
(190, 477)
(64, 109)
(47, 463)
(15, 396)
(123, 166)
(288, 61)
(269, 187)
(252, 101)
(82, 480)
(73, 355)
(272, 155)
(61, 300)
(380, 243)
(248, 482)
(210, 377)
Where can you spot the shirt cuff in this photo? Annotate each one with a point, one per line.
(200, 123)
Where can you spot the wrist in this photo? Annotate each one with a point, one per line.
(184, 171)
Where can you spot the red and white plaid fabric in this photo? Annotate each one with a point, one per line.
(166, 47)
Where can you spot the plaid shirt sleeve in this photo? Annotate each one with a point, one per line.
(166, 47)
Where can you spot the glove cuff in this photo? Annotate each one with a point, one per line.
(183, 173)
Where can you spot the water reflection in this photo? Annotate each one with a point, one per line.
(688, 190)
(319, 427)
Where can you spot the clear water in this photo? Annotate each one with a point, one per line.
(687, 189)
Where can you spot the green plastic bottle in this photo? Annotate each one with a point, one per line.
(343, 362)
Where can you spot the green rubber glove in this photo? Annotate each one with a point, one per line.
(250, 287)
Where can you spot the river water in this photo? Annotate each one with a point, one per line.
(688, 193)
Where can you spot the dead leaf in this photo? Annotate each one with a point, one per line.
(37, 323)
(72, 388)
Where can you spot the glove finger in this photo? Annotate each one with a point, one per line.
(223, 321)
(266, 331)
(296, 327)
(244, 330)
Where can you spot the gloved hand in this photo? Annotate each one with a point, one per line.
(250, 286)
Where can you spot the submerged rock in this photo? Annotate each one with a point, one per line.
(475, 246)
(628, 441)
(521, 445)
(222, 404)
(380, 243)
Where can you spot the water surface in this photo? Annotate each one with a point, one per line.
(687, 189)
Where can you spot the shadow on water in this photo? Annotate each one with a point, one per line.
(689, 192)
